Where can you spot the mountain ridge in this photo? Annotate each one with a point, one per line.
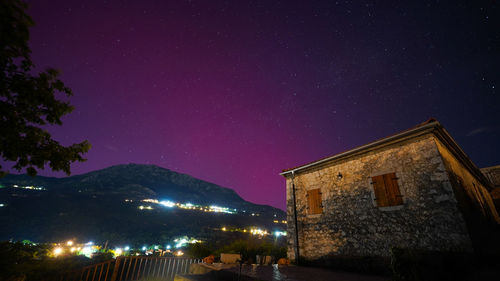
(98, 204)
(146, 175)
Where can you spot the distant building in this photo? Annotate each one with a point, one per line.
(493, 174)
(416, 189)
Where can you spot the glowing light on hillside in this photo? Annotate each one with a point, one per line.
(69, 243)
(87, 251)
(179, 253)
(190, 206)
(30, 187)
(180, 243)
(127, 248)
(57, 251)
(118, 251)
(258, 231)
(169, 204)
(144, 248)
(279, 233)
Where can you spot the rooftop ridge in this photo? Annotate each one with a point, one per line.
(429, 123)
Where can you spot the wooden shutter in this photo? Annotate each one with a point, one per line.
(387, 191)
(392, 188)
(314, 201)
(380, 194)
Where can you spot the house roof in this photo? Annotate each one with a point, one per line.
(433, 122)
(431, 125)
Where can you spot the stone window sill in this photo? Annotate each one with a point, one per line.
(314, 216)
(391, 208)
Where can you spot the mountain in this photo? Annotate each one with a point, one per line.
(109, 204)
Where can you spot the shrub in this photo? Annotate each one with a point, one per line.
(198, 250)
(249, 249)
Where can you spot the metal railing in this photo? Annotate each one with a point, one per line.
(137, 268)
(104, 268)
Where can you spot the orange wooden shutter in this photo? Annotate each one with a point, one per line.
(314, 200)
(392, 189)
(380, 192)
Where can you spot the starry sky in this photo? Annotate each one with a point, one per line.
(233, 92)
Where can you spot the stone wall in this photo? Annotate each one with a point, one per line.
(463, 181)
(475, 203)
(352, 225)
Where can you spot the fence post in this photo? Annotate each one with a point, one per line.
(115, 270)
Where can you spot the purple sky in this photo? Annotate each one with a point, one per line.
(233, 92)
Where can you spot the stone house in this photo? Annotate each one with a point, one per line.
(416, 189)
(493, 174)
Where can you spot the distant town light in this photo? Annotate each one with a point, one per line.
(69, 243)
(58, 251)
(167, 203)
(118, 251)
(279, 233)
(127, 248)
(144, 248)
(87, 251)
(189, 206)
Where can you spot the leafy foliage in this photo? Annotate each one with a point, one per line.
(28, 101)
(250, 248)
(20, 261)
(198, 250)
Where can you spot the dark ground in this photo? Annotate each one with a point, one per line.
(282, 273)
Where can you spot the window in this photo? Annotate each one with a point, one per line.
(386, 190)
(314, 201)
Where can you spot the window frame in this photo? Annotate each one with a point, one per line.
(399, 181)
(308, 205)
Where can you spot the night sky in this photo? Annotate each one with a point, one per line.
(233, 92)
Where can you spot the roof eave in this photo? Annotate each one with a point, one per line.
(364, 147)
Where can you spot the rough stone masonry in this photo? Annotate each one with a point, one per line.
(350, 222)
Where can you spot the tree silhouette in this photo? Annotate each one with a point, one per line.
(28, 101)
